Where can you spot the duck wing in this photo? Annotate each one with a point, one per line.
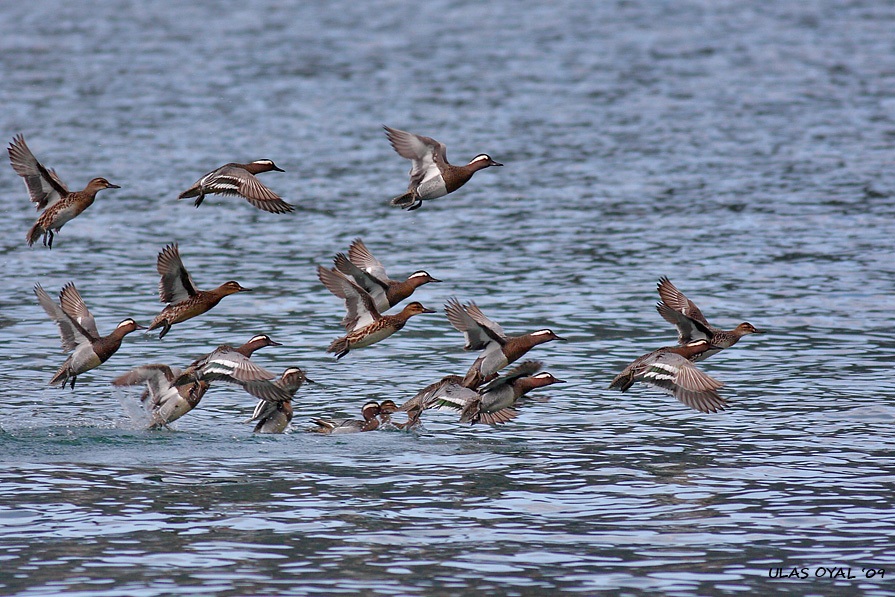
(44, 186)
(156, 376)
(233, 367)
(524, 369)
(176, 285)
(679, 377)
(682, 313)
(234, 180)
(449, 394)
(73, 305)
(268, 391)
(472, 323)
(71, 334)
(425, 154)
(360, 255)
(263, 409)
(361, 310)
(375, 287)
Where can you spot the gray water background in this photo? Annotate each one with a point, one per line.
(743, 149)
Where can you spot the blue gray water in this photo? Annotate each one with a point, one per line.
(745, 150)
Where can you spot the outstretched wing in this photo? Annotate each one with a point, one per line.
(472, 323)
(361, 311)
(70, 333)
(73, 305)
(360, 255)
(176, 284)
(683, 380)
(470, 320)
(233, 367)
(157, 377)
(44, 186)
(236, 181)
(682, 313)
(372, 285)
(424, 152)
(524, 369)
(269, 391)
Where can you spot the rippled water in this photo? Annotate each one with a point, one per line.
(744, 150)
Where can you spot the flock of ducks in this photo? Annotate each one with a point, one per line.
(481, 395)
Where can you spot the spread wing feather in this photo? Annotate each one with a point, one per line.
(44, 186)
(176, 285)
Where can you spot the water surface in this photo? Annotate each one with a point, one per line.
(743, 150)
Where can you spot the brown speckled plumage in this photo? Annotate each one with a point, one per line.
(49, 193)
(176, 288)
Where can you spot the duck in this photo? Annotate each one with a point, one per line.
(232, 362)
(233, 366)
(171, 393)
(273, 415)
(447, 387)
(168, 394)
(239, 180)
(176, 288)
(50, 194)
(498, 349)
(386, 409)
(370, 411)
(494, 403)
(77, 328)
(364, 323)
(369, 273)
(426, 398)
(691, 324)
(671, 369)
(431, 175)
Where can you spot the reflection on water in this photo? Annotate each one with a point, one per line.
(743, 151)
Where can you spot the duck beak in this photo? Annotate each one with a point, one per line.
(431, 279)
(241, 289)
(113, 186)
(757, 331)
(429, 310)
(493, 163)
(140, 327)
(278, 169)
(272, 343)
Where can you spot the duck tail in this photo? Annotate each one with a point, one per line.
(472, 412)
(340, 347)
(623, 381)
(322, 426)
(474, 377)
(62, 375)
(160, 323)
(472, 380)
(35, 233)
(190, 192)
(408, 201)
(196, 191)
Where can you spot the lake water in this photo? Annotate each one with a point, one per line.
(745, 150)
